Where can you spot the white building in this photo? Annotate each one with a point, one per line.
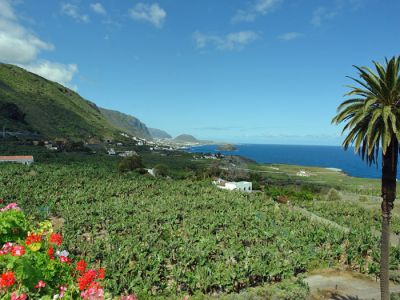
(111, 151)
(26, 160)
(244, 186)
(303, 173)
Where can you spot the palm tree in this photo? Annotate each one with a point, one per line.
(372, 117)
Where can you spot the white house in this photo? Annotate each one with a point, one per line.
(303, 173)
(244, 186)
(26, 159)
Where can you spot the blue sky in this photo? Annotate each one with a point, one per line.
(256, 71)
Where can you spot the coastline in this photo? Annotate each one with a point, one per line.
(329, 158)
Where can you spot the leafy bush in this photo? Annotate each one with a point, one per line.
(130, 163)
(333, 195)
(363, 198)
(161, 170)
(35, 265)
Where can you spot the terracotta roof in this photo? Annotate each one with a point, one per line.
(20, 157)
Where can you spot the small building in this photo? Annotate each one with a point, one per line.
(244, 186)
(303, 173)
(23, 159)
(111, 151)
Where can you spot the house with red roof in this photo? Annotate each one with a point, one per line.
(21, 159)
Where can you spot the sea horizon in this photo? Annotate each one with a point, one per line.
(324, 156)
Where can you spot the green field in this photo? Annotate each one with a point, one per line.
(165, 237)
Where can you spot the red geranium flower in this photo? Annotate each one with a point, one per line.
(40, 284)
(56, 239)
(50, 252)
(81, 266)
(86, 279)
(65, 259)
(7, 279)
(18, 250)
(33, 238)
(101, 273)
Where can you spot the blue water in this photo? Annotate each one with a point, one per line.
(318, 156)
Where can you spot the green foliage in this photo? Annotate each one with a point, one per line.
(333, 195)
(13, 225)
(168, 238)
(371, 114)
(130, 163)
(363, 198)
(292, 193)
(161, 170)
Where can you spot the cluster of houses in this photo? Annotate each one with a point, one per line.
(209, 156)
(243, 186)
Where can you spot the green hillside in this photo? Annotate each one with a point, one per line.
(30, 102)
(159, 134)
(186, 138)
(126, 123)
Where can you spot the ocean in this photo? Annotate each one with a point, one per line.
(318, 156)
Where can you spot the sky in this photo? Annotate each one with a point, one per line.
(256, 71)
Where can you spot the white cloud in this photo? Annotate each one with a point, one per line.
(57, 72)
(17, 44)
(20, 46)
(6, 10)
(288, 36)
(150, 13)
(257, 8)
(98, 8)
(325, 13)
(321, 14)
(229, 42)
(72, 11)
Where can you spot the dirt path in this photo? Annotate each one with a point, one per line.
(342, 285)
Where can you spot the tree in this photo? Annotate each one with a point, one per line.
(130, 163)
(372, 117)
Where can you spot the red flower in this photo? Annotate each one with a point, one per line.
(65, 259)
(40, 284)
(33, 238)
(101, 273)
(50, 252)
(7, 279)
(56, 239)
(81, 266)
(18, 251)
(86, 279)
(15, 296)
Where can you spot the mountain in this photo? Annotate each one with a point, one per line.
(126, 123)
(186, 138)
(32, 103)
(29, 102)
(159, 134)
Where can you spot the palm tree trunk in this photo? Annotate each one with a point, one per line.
(389, 173)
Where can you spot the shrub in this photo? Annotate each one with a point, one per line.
(34, 265)
(130, 163)
(363, 198)
(161, 170)
(333, 195)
